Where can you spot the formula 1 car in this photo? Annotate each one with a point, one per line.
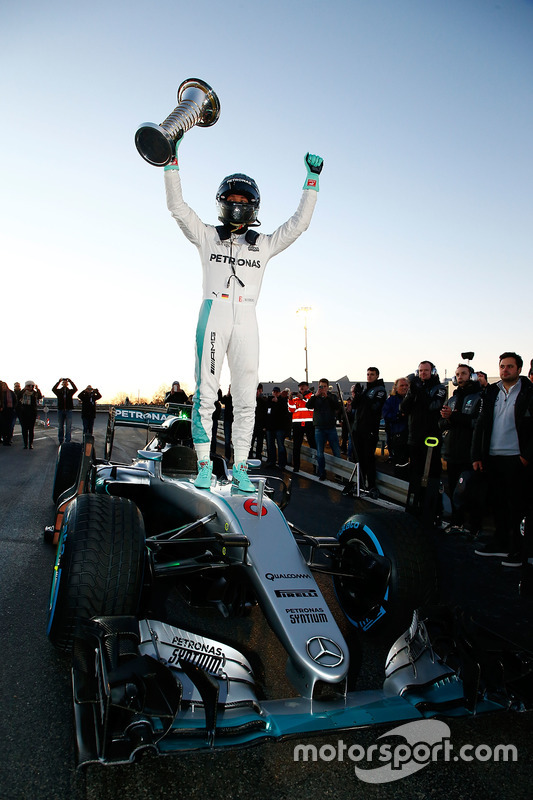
(141, 683)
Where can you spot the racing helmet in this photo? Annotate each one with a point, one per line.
(238, 214)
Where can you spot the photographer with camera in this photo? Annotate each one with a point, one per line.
(88, 398)
(65, 405)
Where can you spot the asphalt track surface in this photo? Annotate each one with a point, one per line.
(37, 758)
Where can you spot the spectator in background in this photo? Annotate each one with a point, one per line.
(502, 447)
(367, 403)
(350, 413)
(396, 423)
(325, 407)
(65, 405)
(176, 395)
(258, 436)
(459, 415)
(276, 428)
(214, 430)
(88, 398)
(28, 401)
(345, 426)
(227, 402)
(18, 391)
(302, 422)
(422, 405)
(8, 413)
(483, 382)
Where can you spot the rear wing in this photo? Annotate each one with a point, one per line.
(141, 417)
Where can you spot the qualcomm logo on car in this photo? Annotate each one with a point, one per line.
(325, 652)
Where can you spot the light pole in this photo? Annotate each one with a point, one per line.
(305, 310)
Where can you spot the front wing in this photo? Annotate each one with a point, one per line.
(148, 686)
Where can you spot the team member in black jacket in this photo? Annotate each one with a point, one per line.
(277, 425)
(422, 405)
(503, 448)
(459, 415)
(367, 404)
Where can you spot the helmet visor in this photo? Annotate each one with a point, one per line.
(237, 213)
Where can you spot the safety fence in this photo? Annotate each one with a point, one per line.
(342, 470)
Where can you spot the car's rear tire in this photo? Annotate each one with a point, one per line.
(99, 566)
(393, 571)
(67, 467)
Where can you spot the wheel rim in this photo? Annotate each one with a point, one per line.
(364, 595)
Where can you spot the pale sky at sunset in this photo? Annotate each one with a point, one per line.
(421, 243)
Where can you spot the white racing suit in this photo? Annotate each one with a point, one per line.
(233, 271)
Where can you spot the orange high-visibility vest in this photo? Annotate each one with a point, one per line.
(298, 408)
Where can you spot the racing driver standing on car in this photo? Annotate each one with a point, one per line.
(233, 258)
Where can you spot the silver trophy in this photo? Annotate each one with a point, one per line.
(197, 105)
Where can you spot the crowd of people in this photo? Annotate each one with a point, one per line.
(22, 404)
(483, 433)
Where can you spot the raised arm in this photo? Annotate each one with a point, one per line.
(188, 220)
(287, 233)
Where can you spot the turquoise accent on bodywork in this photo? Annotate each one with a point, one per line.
(56, 577)
(297, 717)
(199, 435)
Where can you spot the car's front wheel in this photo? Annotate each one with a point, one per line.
(99, 565)
(390, 570)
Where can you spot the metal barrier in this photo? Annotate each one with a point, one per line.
(389, 487)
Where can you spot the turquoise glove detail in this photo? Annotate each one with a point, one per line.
(314, 166)
(174, 163)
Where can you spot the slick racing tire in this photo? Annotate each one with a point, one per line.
(392, 570)
(99, 566)
(67, 466)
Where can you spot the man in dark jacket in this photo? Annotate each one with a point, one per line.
(64, 394)
(277, 425)
(227, 402)
(8, 413)
(422, 405)
(325, 406)
(260, 420)
(88, 398)
(367, 404)
(459, 415)
(503, 448)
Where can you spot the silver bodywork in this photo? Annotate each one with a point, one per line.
(178, 690)
(273, 565)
